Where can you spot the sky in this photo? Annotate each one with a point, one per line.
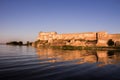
(22, 20)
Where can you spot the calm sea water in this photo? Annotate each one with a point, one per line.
(28, 63)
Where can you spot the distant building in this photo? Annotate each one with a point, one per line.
(78, 39)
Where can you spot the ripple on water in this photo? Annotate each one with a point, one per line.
(58, 65)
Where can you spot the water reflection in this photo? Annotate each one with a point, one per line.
(100, 57)
(108, 57)
(22, 63)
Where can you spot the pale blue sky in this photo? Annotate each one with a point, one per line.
(24, 19)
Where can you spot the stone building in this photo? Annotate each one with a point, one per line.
(78, 39)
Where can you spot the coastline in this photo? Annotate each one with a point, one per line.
(78, 41)
(68, 47)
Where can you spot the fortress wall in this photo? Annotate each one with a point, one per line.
(114, 37)
(46, 35)
(54, 35)
(102, 38)
(87, 36)
(75, 38)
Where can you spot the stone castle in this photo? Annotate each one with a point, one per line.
(78, 39)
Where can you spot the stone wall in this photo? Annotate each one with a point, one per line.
(102, 38)
(78, 39)
(115, 38)
(46, 35)
(54, 35)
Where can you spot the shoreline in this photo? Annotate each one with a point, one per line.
(68, 47)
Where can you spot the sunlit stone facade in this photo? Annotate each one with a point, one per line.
(79, 39)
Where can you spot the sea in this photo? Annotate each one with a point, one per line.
(29, 63)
